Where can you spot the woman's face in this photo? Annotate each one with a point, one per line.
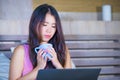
(48, 28)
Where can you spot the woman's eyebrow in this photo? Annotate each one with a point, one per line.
(48, 22)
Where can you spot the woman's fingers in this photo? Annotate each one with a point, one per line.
(40, 52)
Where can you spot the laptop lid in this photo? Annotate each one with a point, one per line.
(68, 74)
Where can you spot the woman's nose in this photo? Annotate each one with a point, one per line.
(49, 30)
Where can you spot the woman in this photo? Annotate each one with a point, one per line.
(45, 27)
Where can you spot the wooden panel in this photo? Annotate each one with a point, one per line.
(13, 38)
(106, 70)
(11, 41)
(93, 45)
(94, 54)
(110, 71)
(6, 47)
(109, 78)
(96, 62)
(79, 5)
(91, 37)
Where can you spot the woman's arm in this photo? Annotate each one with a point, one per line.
(67, 59)
(17, 64)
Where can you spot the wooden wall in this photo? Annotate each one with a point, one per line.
(79, 5)
(82, 22)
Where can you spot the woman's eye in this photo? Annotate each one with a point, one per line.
(54, 26)
(44, 24)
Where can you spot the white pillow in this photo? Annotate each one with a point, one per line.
(73, 65)
(4, 67)
(12, 49)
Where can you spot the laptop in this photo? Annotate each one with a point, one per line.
(68, 74)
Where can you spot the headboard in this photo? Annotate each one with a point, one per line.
(87, 51)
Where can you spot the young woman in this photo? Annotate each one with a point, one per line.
(45, 27)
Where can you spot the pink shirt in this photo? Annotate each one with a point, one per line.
(27, 63)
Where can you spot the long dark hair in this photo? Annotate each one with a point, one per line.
(57, 40)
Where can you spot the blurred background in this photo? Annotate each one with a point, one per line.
(77, 16)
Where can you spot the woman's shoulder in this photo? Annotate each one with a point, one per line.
(19, 51)
(20, 48)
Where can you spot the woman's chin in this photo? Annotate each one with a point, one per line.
(46, 40)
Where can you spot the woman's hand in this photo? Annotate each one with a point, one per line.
(54, 58)
(41, 62)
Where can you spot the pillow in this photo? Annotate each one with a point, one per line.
(73, 65)
(4, 67)
(12, 49)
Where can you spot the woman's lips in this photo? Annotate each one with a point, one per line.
(47, 36)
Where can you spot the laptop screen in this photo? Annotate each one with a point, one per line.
(68, 74)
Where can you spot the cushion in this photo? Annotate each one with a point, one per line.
(12, 49)
(73, 65)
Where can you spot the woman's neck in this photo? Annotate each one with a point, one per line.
(43, 42)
